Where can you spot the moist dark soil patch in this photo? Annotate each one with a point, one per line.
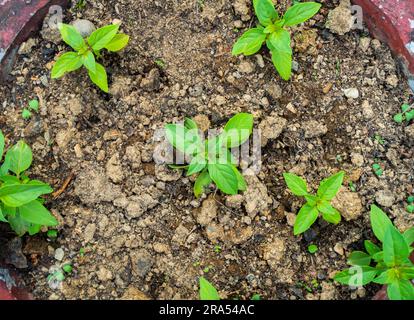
(106, 141)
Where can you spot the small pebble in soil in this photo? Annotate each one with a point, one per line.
(84, 27)
(59, 254)
(351, 93)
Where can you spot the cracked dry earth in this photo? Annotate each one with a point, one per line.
(132, 228)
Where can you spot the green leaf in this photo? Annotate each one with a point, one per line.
(18, 224)
(405, 107)
(300, 13)
(2, 217)
(238, 129)
(72, 37)
(279, 45)
(359, 258)
(88, 60)
(190, 124)
(250, 42)
(203, 180)
(306, 217)
(356, 276)
(67, 62)
(10, 179)
(224, 177)
(20, 157)
(34, 105)
(2, 143)
(265, 11)
(409, 236)
(26, 114)
(407, 272)
(4, 169)
(241, 183)
(329, 213)
(396, 249)
(17, 194)
(197, 164)
(34, 228)
(102, 36)
(118, 42)
(409, 115)
(401, 290)
(312, 248)
(371, 247)
(385, 277)
(329, 187)
(399, 118)
(296, 184)
(379, 222)
(379, 256)
(183, 139)
(207, 290)
(99, 77)
(35, 212)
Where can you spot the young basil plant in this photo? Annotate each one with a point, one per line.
(86, 50)
(391, 260)
(20, 205)
(212, 159)
(272, 30)
(316, 204)
(207, 290)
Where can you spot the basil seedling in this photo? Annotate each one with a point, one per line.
(319, 203)
(85, 51)
(272, 30)
(391, 260)
(20, 205)
(212, 158)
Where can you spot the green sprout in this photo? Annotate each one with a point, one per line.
(410, 201)
(407, 113)
(272, 30)
(160, 63)
(312, 248)
(212, 159)
(377, 169)
(33, 106)
(85, 51)
(67, 268)
(20, 203)
(392, 265)
(379, 139)
(316, 204)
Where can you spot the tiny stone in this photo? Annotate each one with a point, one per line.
(84, 27)
(339, 249)
(59, 254)
(351, 93)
